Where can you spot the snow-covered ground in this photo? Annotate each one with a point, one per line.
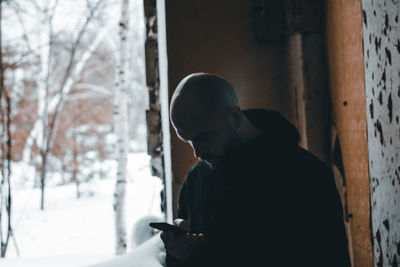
(78, 232)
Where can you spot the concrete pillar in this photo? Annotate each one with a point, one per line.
(347, 95)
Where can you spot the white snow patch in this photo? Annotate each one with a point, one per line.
(56, 261)
(149, 254)
(81, 228)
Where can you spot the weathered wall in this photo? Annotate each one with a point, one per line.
(381, 30)
(219, 37)
(346, 74)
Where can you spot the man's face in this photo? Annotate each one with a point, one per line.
(209, 135)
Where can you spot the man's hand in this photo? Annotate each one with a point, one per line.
(181, 246)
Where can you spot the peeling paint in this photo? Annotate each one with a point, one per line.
(382, 61)
(364, 15)
(386, 224)
(378, 127)
(398, 248)
(388, 55)
(371, 109)
(390, 108)
(395, 263)
(398, 46)
(384, 78)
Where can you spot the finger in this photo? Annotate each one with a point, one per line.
(180, 222)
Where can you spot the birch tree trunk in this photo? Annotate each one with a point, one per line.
(5, 161)
(121, 130)
(38, 132)
(4, 237)
(43, 89)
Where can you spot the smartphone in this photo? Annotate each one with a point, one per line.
(163, 226)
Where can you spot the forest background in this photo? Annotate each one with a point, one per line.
(73, 101)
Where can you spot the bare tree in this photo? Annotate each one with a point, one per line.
(5, 175)
(49, 109)
(121, 129)
(5, 186)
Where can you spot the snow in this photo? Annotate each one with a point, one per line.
(149, 254)
(77, 232)
(55, 261)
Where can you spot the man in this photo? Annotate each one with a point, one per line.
(255, 198)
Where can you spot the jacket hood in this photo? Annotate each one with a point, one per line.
(273, 125)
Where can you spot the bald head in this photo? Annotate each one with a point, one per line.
(205, 113)
(202, 91)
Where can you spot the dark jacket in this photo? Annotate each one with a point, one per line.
(270, 203)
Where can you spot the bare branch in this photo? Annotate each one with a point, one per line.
(89, 17)
(95, 88)
(2, 125)
(17, 11)
(52, 126)
(85, 95)
(88, 111)
(35, 4)
(53, 8)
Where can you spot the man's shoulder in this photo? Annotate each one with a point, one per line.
(310, 161)
(198, 171)
(200, 167)
(314, 172)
